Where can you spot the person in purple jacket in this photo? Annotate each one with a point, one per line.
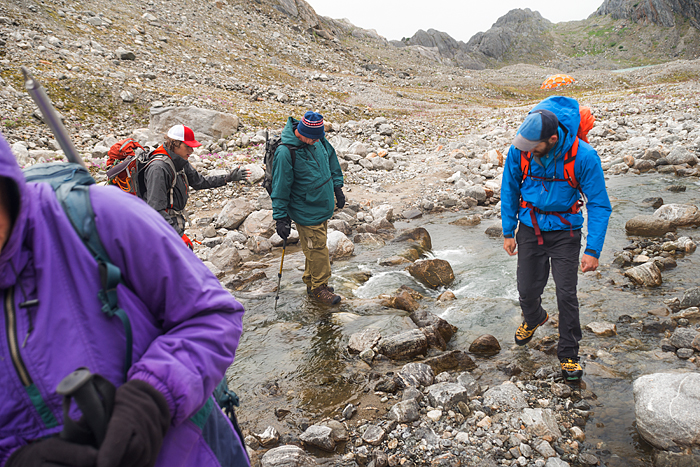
(186, 328)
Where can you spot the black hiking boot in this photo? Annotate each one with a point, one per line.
(308, 289)
(524, 333)
(324, 295)
(571, 369)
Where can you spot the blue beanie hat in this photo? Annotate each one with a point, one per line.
(311, 125)
(539, 125)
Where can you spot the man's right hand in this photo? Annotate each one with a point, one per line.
(284, 227)
(510, 246)
(53, 452)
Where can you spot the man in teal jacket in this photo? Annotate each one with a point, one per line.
(547, 170)
(306, 177)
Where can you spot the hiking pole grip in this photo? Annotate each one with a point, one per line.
(86, 388)
(36, 91)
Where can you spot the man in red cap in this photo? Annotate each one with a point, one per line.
(168, 176)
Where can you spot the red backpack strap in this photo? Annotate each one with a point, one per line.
(569, 163)
(525, 159)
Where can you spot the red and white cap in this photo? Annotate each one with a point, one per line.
(184, 134)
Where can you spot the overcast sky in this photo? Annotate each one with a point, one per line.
(461, 19)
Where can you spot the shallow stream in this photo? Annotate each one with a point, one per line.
(294, 358)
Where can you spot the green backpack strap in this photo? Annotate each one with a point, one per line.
(71, 183)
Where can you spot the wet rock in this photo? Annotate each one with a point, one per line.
(403, 301)
(667, 409)
(468, 221)
(419, 235)
(405, 345)
(495, 230)
(561, 390)
(485, 345)
(416, 374)
(435, 340)
(647, 275)
(455, 360)
(369, 239)
(691, 297)
(685, 354)
(675, 459)
(446, 296)
(602, 329)
(319, 436)
(349, 411)
(338, 431)
(387, 384)
(269, 437)
(469, 383)
(361, 341)
(446, 394)
(241, 281)
(679, 215)
(655, 325)
(541, 423)
(648, 226)
(424, 318)
(339, 245)
(286, 456)
(505, 395)
(683, 338)
(654, 202)
(405, 412)
(433, 273)
(412, 214)
(224, 256)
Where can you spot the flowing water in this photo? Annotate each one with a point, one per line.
(294, 358)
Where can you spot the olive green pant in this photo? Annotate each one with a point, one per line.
(313, 240)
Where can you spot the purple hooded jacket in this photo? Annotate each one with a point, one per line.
(186, 327)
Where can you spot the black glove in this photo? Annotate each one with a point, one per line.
(53, 452)
(135, 432)
(239, 173)
(284, 226)
(339, 197)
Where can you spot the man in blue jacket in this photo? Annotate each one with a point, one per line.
(306, 176)
(547, 172)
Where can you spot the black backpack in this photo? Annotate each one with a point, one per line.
(271, 145)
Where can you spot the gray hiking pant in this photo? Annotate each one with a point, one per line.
(561, 250)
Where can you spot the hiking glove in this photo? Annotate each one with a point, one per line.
(53, 452)
(339, 197)
(284, 226)
(135, 432)
(239, 173)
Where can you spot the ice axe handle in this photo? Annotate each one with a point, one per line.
(94, 396)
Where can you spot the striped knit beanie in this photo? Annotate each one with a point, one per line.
(311, 125)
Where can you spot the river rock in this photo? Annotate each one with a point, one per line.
(682, 338)
(269, 437)
(319, 436)
(654, 202)
(224, 256)
(384, 211)
(339, 245)
(419, 235)
(424, 318)
(416, 374)
(361, 341)
(494, 230)
(602, 329)
(258, 245)
(485, 345)
(680, 215)
(405, 411)
(454, 360)
(403, 301)
(667, 409)
(259, 223)
(210, 123)
(447, 394)
(433, 273)
(648, 226)
(277, 241)
(681, 155)
(287, 456)
(435, 340)
(405, 345)
(373, 435)
(340, 226)
(468, 221)
(647, 275)
(505, 395)
(338, 431)
(541, 423)
(469, 383)
(691, 297)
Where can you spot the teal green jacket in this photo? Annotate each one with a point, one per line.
(304, 192)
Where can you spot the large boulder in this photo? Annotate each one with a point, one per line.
(259, 223)
(419, 235)
(679, 215)
(339, 245)
(210, 123)
(667, 409)
(648, 226)
(405, 345)
(224, 256)
(433, 273)
(234, 213)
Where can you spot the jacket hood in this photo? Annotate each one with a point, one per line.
(288, 136)
(567, 111)
(19, 204)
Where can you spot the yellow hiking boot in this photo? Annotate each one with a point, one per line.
(571, 369)
(524, 333)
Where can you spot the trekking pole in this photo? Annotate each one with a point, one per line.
(279, 274)
(51, 118)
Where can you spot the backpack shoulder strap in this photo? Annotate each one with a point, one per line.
(71, 183)
(525, 159)
(169, 162)
(569, 165)
(292, 152)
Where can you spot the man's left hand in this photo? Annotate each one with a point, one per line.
(589, 263)
(339, 197)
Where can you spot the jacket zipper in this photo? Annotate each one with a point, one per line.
(327, 180)
(12, 341)
(313, 154)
